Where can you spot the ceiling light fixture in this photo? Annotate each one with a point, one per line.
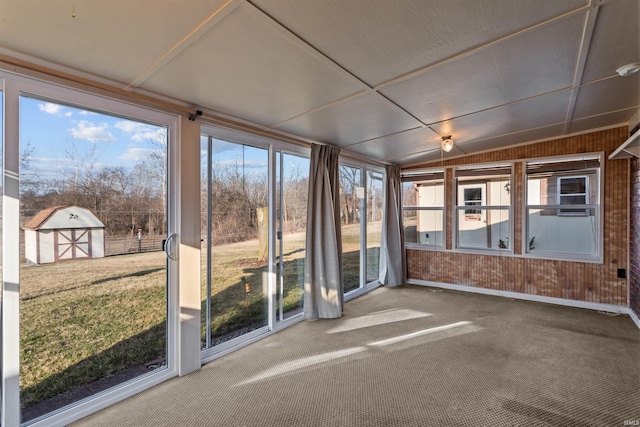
(627, 70)
(447, 143)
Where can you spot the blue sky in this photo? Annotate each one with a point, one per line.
(54, 134)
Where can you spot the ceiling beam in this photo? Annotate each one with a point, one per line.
(587, 36)
(184, 43)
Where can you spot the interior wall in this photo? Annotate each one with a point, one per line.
(634, 237)
(582, 281)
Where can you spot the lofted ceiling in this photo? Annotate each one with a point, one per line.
(381, 78)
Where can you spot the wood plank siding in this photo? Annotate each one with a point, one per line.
(634, 236)
(582, 281)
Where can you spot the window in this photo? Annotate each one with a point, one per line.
(361, 197)
(483, 207)
(563, 207)
(573, 191)
(473, 197)
(423, 208)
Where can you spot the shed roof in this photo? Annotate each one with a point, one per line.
(52, 218)
(35, 222)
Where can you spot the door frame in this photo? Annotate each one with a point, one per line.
(13, 87)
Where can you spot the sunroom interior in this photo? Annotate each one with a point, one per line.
(481, 146)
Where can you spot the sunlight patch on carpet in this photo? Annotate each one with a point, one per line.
(379, 318)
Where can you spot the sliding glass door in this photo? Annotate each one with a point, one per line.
(253, 226)
(93, 278)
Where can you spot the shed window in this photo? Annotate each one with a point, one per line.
(573, 191)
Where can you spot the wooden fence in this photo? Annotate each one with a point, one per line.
(117, 245)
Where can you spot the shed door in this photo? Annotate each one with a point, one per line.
(72, 244)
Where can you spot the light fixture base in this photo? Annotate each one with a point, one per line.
(627, 70)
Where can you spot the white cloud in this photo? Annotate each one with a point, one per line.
(50, 108)
(68, 114)
(92, 132)
(158, 136)
(130, 127)
(137, 154)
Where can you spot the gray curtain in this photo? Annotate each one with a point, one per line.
(323, 284)
(393, 269)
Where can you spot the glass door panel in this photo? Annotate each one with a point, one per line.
(374, 224)
(1, 198)
(235, 287)
(351, 193)
(293, 185)
(93, 276)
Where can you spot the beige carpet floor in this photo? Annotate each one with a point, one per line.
(413, 356)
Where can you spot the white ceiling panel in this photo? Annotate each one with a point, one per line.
(492, 73)
(616, 39)
(116, 39)
(381, 40)
(616, 93)
(497, 75)
(603, 120)
(358, 119)
(533, 113)
(248, 67)
(398, 145)
(513, 139)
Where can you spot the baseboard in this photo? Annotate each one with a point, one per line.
(634, 317)
(610, 308)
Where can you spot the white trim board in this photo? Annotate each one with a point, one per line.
(634, 317)
(610, 308)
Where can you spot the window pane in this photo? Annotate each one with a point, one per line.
(410, 218)
(565, 234)
(292, 223)
(556, 229)
(239, 241)
(573, 200)
(351, 191)
(424, 226)
(573, 186)
(550, 189)
(374, 224)
(488, 229)
(409, 194)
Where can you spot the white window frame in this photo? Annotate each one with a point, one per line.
(596, 204)
(559, 195)
(484, 207)
(425, 208)
(346, 160)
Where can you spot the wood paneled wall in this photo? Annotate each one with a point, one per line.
(559, 279)
(634, 239)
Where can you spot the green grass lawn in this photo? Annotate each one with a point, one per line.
(86, 320)
(82, 321)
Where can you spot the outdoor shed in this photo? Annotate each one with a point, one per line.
(63, 233)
